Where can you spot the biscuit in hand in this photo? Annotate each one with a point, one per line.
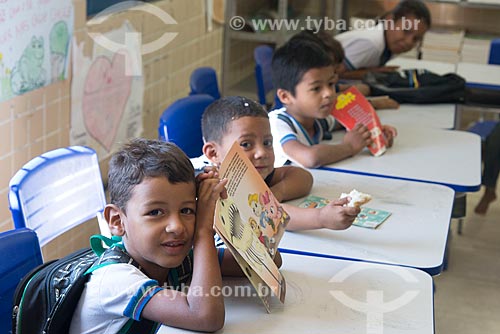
(357, 198)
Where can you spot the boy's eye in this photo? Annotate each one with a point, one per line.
(315, 89)
(268, 143)
(188, 211)
(155, 212)
(245, 144)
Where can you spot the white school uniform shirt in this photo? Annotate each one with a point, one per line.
(363, 48)
(282, 133)
(112, 296)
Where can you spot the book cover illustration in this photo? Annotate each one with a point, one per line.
(251, 222)
(368, 217)
(352, 108)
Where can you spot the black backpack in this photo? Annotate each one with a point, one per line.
(417, 86)
(46, 298)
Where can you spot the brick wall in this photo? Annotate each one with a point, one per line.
(39, 121)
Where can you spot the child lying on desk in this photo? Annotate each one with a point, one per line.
(305, 78)
(165, 222)
(398, 31)
(240, 119)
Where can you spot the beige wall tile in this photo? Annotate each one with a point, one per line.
(51, 141)
(52, 94)
(21, 129)
(52, 118)
(37, 148)
(5, 138)
(5, 216)
(35, 98)
(65, 112)
(36, 124)
(80, 6)
(21, 157)
(6, 171)
(6, 109)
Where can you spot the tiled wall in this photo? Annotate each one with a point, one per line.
(39, 121)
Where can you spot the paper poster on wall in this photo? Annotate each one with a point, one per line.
(106, 102)
(34, 44)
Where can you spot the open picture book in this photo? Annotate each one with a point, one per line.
(251, 223)
(353, 108)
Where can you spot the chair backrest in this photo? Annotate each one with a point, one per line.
(21, 254)
(56, 191)
(494, 58)
(263, 55)
(483, 128)
(203, 80)
(180, 123)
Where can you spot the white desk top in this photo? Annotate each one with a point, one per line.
(439, 116)
(433, 66)
(487, 76)
(414, 235)
(334, 296)
(447, 157)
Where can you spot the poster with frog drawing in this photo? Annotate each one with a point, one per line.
(251, 222)
(35, 39)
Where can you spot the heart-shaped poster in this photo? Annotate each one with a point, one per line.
(107, 90)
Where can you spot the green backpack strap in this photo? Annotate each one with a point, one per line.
(97, 240)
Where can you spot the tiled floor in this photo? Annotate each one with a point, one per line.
(467, 298)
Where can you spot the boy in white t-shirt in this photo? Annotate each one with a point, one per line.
(165, 222)
(305, 78)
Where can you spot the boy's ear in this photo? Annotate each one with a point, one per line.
(284, 96)
(113, 216)
(211, 152)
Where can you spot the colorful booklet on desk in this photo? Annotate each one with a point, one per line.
(368, 217)
(353, 108)
(251, 222)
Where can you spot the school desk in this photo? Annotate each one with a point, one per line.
(335, 297)
(414, 235)
(437, 67)
(480, 75)
(439, 116)
(425, 154)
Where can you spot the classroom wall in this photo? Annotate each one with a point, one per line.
(39, 121)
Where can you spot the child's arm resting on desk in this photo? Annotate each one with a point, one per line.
(201, 308)
(290, 182)
(322, 154)
(333, 216)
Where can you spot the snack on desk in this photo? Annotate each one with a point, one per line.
(357, 198)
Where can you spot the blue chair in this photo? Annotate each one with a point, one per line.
(57, 191)
(494, 58)
(483, 128)
(263, 55)
(203, 80)
(180, 123)
(21, 253)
